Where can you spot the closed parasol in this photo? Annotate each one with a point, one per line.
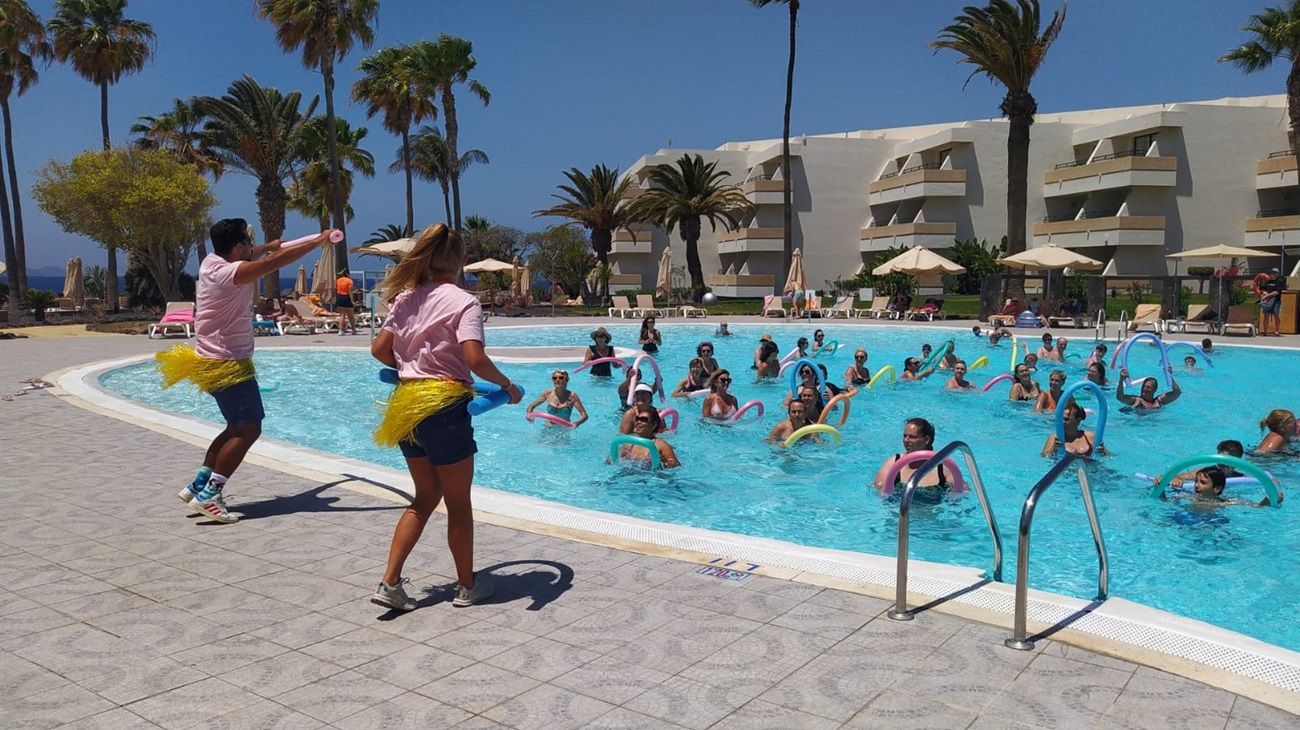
(664, 281)
(324, 274)
(74, 285)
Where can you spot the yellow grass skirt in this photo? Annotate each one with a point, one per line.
(413, 401)
(183, 363)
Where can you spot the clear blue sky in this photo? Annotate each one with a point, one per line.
(576, 83)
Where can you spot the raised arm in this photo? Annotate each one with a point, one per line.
(1120, 395)
(250, 271)
(1173, 393)
(545, 394)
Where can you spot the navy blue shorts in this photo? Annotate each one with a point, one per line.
(1271, 306)
(445, 438)
(240, 403)
(343, 301)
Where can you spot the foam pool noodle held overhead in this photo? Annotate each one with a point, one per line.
(183, 363)
(413, 401)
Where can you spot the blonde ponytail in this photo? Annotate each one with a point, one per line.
(1279, 421)
(437, 256)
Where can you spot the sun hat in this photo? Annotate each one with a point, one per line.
(643, 388)
(765, 336)
(600, 332)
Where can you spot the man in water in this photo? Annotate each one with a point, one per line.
(796, 420)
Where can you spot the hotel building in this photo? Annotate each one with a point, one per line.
(1127, 186)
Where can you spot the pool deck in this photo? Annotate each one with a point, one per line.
(119, 608)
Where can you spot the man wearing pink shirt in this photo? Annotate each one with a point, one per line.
(226, 285)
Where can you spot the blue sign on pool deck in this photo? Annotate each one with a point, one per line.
(1239, 572)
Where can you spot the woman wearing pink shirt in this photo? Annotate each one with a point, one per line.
(434, 337)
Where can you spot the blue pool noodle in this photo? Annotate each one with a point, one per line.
(489, 396)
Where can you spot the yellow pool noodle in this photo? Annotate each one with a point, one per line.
(413, 401)
(183, 363)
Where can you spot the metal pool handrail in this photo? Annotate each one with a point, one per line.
(1019, 638)
(1099, 332)
(1123, 325)
(899, 612)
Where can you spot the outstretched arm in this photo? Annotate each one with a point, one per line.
(1172, 395)
(250, 271)
(1120, 395)
(545, 394)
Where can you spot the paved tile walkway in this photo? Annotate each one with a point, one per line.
(121, 609)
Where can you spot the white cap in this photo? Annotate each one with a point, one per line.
(643, 388)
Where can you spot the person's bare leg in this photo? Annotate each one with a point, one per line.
(428, 492)
(210, 458)
(456, 479)
(231, 453)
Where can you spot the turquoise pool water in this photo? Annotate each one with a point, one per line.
(1234, 567)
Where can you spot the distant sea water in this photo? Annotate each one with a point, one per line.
(55, 283)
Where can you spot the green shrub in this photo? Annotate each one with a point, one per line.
(1200, 271)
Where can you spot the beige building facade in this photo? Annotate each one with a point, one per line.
(1127, 186)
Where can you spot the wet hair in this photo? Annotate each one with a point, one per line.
(1101, 348)
(1207, 344)
(1027, 360)
(1189, 364)
(1230, 447)
(802, 342)
(696, 362)
(818, 331)
(699, 349)
(1101, 369)
(926, 346)
(1155, 384)
(825, 373)
(228, 233)
(924, 427)
(909, 362)
(767, 349)
(959, 362)
(437, 256)
(1075, 410)
(1047, 337)
(1217, 476)
(712, 382)
(1279, 421)
(975, 330)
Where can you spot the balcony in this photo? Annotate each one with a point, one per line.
(1106, 230)
(624, 280)
(752, 240)
(930, 235)
(633, 191)
(1274, 228)
(920, 181)
(742, 285)
(1110, 172)
(1278, 171)
(764, 191)
(623, 243)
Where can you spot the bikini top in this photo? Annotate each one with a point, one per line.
(943, 478)
(721, 408)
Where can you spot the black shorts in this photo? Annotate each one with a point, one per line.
(343, 302)
(445, 438)
(240, 403)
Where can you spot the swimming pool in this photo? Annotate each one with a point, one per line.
(1234, 568)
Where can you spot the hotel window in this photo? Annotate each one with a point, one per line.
(1142, 144)
(943, 156)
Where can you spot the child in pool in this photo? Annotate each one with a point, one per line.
(1208, 488)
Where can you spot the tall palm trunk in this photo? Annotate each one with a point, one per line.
(690, 227)
(271, 199)
(787, 195)
(336, 180)
(1019, 108)
(446, 199)
(1293, 105)
(18, 274)
(110, 286)
(453, 154)
(11, 259)
(406, 165)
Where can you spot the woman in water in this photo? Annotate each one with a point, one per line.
(857, 374)
(800, 351)
(601, 349)
(808, 379)
(912, 370)
(1046, 351)
(693, 381)
(796, 419)
(1282, 429)
(766, 359)
(625, 386)
(918, 435)
(1147, 399)
(1031, 362)
(1047, 400)
(720, 404)
(646, 423)
(1098, 354)
(1077, 440)
(649, 338)
(704, 351)
(1024, 387)
(958, 380)
(819, 342)
(560, 401)
(1097, 372)
(642, 396)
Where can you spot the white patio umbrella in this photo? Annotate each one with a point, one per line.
(917, 261)
(2, 267)
(486, 265)
(1049, 258)
(664, 279)
(388, 249)
(325, 274)
(300, 281)
(796, 281)
(74, 286)
(1221, 251)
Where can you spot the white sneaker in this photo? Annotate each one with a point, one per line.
(394, 596)
(214, 509)
(482, 590)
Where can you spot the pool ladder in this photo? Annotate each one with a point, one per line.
(1019, 639)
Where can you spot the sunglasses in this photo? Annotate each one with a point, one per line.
(642, 419)
(859, 357)
(706, 350)
(724, 381)
(559, 377)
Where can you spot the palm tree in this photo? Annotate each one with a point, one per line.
(311, 191)
(683, 193)
(325, 31)
(440, 66)
(387, 86)
(103, 45)
(1276, 34)
(22, 44)
(787, 246)
(256, 130)
(388, 232)
(477, 223)
(180, 132)
(431, 161)
(595, 202)
(1006, 42)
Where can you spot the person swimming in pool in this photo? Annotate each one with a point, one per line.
(799, 352)
(1227, 447)
(1031, 361)
(1189, 364)
(1098, 354)
(857, 374)
(704, 351)
(808, 379)
(918, 435)
(601, 349)
(1024, 387)
(642, 396)
(958, 380)
(1059, 350)
(720, 404)
(722, 330)
(560, 401)
(1047, 399)
(767, 359)
(646, 424)
(650, 338)
(694, 380)
(1207, 491)
(819, 341)
(912, 370)
(977, 331)
(1283, 430)
(1207, 345)
(926, 351)
(1147, 399)
(1047, 351)
(1077, 440)
(796, 418)
(1097, 373)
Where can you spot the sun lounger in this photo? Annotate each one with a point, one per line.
(307, 315)
(692, 312)
(841, 308)
(1146, 318)
(1194, 321)
(1241, 318)
(926, 311)
(773, 306)
(645, 304)
(878, 306)
(812, 306)
(622, 307)
(178, 316)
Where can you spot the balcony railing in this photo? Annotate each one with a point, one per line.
(1277, 212)
(1099, 158)
(913, 168)
(1280, 153)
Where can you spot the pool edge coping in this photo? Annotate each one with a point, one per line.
(1206, 650)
